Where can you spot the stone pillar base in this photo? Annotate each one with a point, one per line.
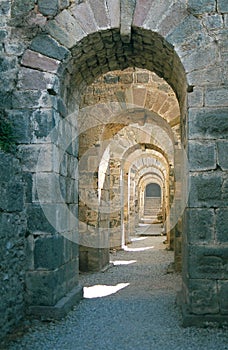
(205, 320)
(60, 309)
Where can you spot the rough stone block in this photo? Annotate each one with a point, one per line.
(44, 121)
(49, 47)
(7, 64)
(12, 195)
(48, 8)
(201, 155)
(222, 6)
(203, 296)
(38, 222)
(222, 293)
(176, 14)
(200, 225)
(12, 227)
(4, 8)
(21, 7)
(141, 10)
(206, 190)
(20, 125)
(213, 21)
(200, 58)
(205, 76)
(30, 79)
(26, 99)
(222, 148)
(8, 166)
(71, 29)
(208, 262)
(48, 188)
(36, 157)
(184, 30)
(36, 60)
(216, 97)
(48, 252)
(208, 123)
(201, 6)
(114, 12)
(3, 34)
(100, 12)
(222, 225)
(45, 287)
(195, 98)
(84, 15)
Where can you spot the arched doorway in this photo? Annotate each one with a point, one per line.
(79, 55)
(153, 202)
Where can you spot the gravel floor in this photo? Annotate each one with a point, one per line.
(140, 316)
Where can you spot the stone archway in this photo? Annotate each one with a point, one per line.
(54, 72)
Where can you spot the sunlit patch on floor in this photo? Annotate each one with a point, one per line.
(138, 239)
(123, 262)
(100, 291)
(127, 249)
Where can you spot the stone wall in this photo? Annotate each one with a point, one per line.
(12, 243)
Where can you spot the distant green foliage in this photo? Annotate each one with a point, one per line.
(7, 139)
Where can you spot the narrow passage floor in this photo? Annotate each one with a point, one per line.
(130, 306)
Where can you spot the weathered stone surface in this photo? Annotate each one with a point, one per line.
(195, 98)
(49, 47)
(206, 190)
(37, 221)
(201, 155)
(201, 6)
(84, 15)
(65, 29)
(175, 15)
(185, 30)
(208, 123)
(141, 10)
(21, 7)
(48, 8)
(20, 125)
(4, 7)
(203, 297)
(208, 262)
(42, 288)
(48, 252)
(12, 247)
(114, 12)
(223, 292)
(222, 225)
(100, 11)
(216, 97)
(222, 6)
(7, 64)
(12, 195)
(200, 58)
(209, 75)
(127, 10)
(38, 61)
(30, 79)
(213, 21)
(200, 225)
(222, 147)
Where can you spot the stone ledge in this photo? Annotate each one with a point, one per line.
(60, 309)
(203, 321)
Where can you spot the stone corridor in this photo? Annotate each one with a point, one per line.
(130, 306)
(113, 115)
